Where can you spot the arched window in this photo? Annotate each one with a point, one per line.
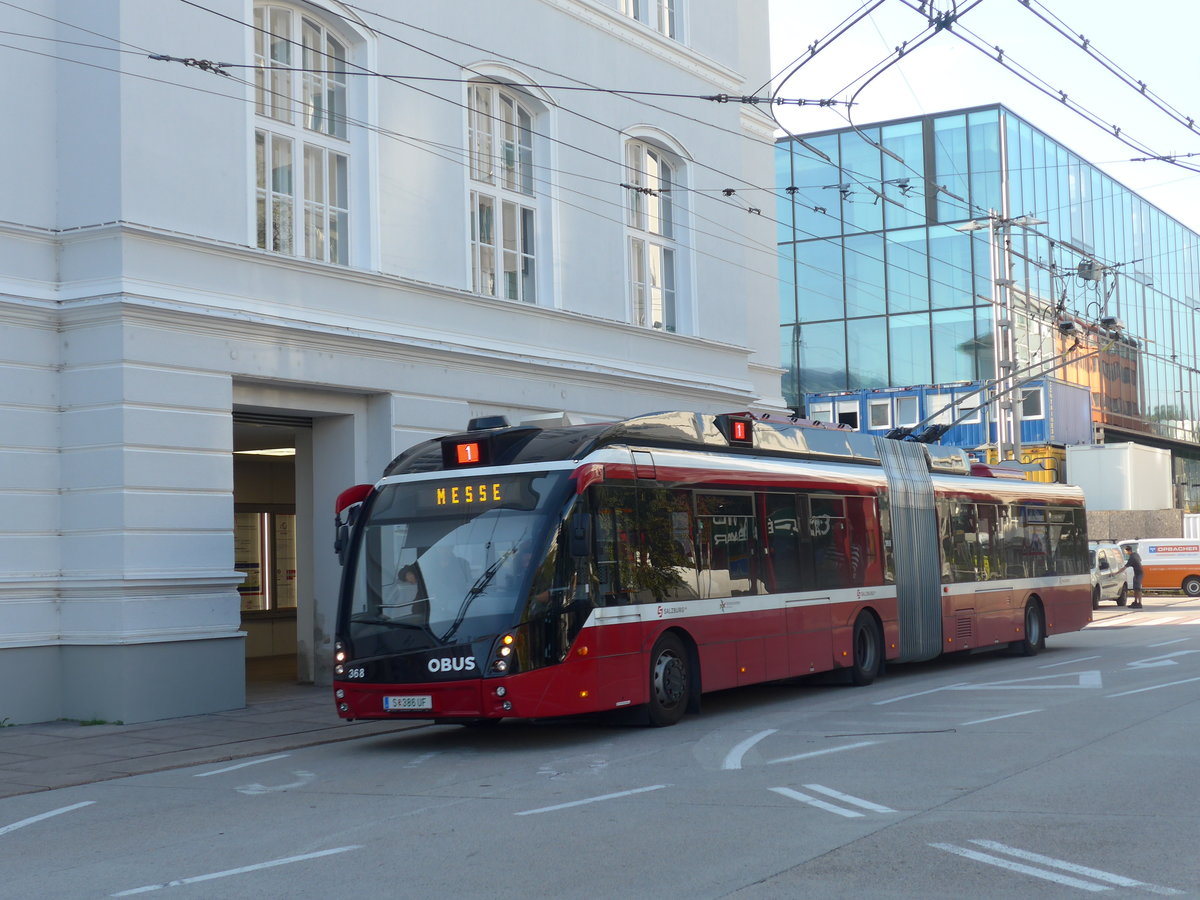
(652, 228)
(504, 196)
(302, 151)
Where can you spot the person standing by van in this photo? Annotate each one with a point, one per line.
(1134, 561)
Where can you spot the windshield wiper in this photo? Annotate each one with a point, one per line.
(476, 589)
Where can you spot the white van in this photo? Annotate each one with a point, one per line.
(1169, 564)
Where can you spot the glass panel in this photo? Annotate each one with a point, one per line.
(907, 410)
(819, 277)
(955, 345)
(950, 167)
(479, 127)
(861, 166)
(637, 275)
(879, 414)
(950, 268)
(281, 194)
(484, 234)
(509, 237)
(985, 160)
(727, 546)
(907, 259)
(908, 341)
(787, 283)
(822, 357)
(528, 274)
(864, 275)
(866, 353)
(902, 181)
(816, 196)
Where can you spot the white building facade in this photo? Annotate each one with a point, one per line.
(372, 223)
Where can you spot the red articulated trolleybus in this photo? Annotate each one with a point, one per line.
(534, 572)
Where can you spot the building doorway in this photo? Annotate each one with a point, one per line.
(265, 543)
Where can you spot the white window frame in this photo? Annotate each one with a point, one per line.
(849, 408)
(1026, 394)
(664, 16)
(974, 418)
(505, 204)
(886, 406)
(908, 410)
(301, 135)
(822, 412)
(656, 258)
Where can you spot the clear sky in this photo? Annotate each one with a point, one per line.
(1152, 41)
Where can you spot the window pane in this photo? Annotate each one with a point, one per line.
(908, 341)
(902, 180)
(866, 354)
(528, 279)
(819, 276)
(637, 277)
(950, 167)
(864, 275)
(955, 345)
(860, 164)
(907, 258)
(822, 356)
(950, 282)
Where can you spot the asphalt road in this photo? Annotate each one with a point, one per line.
(1061, 775)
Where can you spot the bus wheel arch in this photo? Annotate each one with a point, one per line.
(1034, 623)
(866, 647)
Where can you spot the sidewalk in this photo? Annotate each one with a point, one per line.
(276, 717)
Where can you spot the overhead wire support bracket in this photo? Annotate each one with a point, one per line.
(205, 65)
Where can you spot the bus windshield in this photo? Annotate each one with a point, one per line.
(448, 561)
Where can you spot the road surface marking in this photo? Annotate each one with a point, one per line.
(821, 752)
(734, 759)
(848, 798)
(1167, 659)
(240, 871)
(530, 812)
(1088, 679)
(253, 762)
(303, 778)
(830, 807)
(1169, 643)
(1074, 868)
(1154, 687)
(1019, 867)
(1005, 716)
(46, 815)
(919, 693)
(1068, 662)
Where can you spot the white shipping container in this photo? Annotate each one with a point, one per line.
(1122, 476)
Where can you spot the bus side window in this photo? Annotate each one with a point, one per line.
(616, 519)
(785, 565)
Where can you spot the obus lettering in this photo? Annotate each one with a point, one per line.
(452, 664)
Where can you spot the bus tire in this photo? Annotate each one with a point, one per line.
(867, 646)
(1191, 586)
(670, 681)
(1123, 595)
(1096, 598)
(1035, 631)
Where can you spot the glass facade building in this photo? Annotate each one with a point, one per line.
(910, 251)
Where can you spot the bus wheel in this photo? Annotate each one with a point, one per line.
(1123, 596)
(1035, 631)
(868, 650)
(1191, 586)
(670, 681)
(1096, 598)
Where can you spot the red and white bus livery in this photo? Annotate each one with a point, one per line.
(533, 572)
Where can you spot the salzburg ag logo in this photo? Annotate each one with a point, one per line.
(452, 664)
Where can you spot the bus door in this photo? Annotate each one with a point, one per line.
(789, 546)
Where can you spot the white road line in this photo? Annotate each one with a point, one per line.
(1019, 867)
(1005, 716)
(848, 798)
(530, 812)
(819, 804)
(1154, 687)
(253, 762)
(1169, 643)
(821, 752)
(240, 871)
(1086, 871)
(46, 815)
(1068, 662)
(920, 693)
(734, 759)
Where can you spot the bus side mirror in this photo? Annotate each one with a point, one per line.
(345, 514)
(580, 537)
